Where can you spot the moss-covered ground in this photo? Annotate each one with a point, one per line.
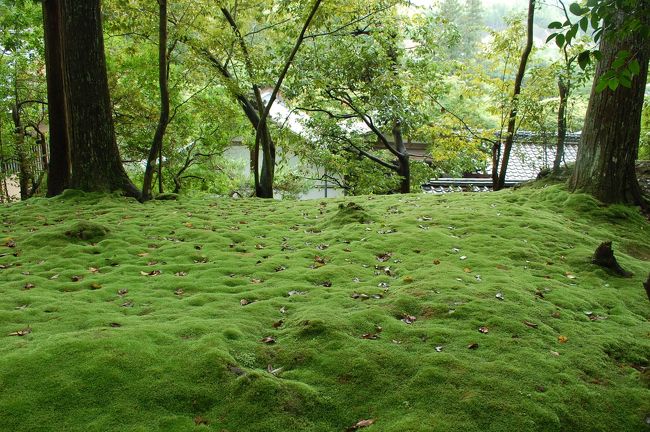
(213, 314)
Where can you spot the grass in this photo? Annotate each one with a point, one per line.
(152, 317)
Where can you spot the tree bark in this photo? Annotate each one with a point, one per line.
(563, 88)
(403, 168)
(96, 164)
(512, 118)
(58, 176)
(24, 175)
(163, 81)
(605, 164)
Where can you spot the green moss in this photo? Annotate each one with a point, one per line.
(154, 334)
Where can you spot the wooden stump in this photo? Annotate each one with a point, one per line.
(604, 257)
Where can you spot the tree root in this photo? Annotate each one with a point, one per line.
(604, 257)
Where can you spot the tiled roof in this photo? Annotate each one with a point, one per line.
(527, 160)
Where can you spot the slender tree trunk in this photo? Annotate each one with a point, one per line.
(563, 88)
(24, 175)
(58, 176)
(512, 118)
(605, 164)
(96, 164)
(163, 81)
(403, 167)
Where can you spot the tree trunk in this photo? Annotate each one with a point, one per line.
(24, 175)
(96, 164)
(58, 176)
(403, 168)
(605, 165)
(563, 88)
(264, 188)
(163, 81)
(512, 118)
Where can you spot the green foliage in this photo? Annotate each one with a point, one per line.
(614, 19)
(644, 141)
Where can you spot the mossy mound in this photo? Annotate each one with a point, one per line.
(87, 231)
(350, 213)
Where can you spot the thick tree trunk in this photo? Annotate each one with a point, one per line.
(58, 176)
(563, 88)
(605, 165)
(96, 164)
(512, 118)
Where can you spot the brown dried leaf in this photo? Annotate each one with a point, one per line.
(198, 420)
(93, 269)
(76, 278)
(180, 273)
(22, 332)
(278, 324)
(472, 346)
(483, 330)
(122, 292)
(531, 324)
(179, 292)
(436, 262)
(143, 254)
(370, 336)
(562, 339)
(384, 256)
(268, 340)
(11, 243)
(115, 325)
(95, 285)
(245, 302)
(29, 286)
(151, 273)
(361, 424)
(409, 319)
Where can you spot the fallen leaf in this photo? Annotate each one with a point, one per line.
(122, 292)
(29, 285)
(198, 420)
(384, 256)
(472, 346)
(361, 424)
(463, 258)
(295, 293)
(327, 284)
(22, 332)
(256, 281)
(93, 269)
(280, 268)
(562, 339)
(127, 304)
(151, 273)
(268, 340)
(570, 275)
(370, 336)
(115, 325)
(409, 319)
(245, 302)
(531, 324)
(322, 246)
(467, 270)
(180, 273)
(152, 263)
(11, 243)
(259, 246)
(179, 292)
(436, 261)
(76, 278)
(143, 254)
(439, 348)
(95, 285)
(283, 310)
(483, 330)
(56, 276)
(278, 324)
(499, 296)
(407, 279)
(273, 371)
(555, 353)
